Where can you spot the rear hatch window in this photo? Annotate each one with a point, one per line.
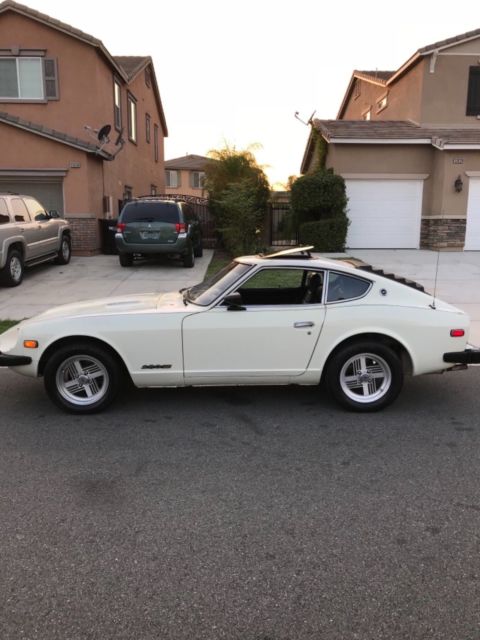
(150, 222)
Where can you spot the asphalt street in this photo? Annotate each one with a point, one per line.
(245, 514)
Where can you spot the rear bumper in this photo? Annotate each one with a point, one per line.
(13, 361)
(180, 246)
(469, 356)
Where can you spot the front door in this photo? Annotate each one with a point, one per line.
(269, 337)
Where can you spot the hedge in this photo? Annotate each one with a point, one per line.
(325, 235)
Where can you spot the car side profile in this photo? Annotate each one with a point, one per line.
(286, 318)
(153, 226)
(29, 235)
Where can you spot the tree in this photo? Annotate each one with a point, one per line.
(238, 193)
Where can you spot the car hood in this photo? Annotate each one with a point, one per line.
(119, 304)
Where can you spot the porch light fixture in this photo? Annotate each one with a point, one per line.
(458, 184)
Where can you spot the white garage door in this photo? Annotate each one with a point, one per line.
(472, 236)
(384, 214)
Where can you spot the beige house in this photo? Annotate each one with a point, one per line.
(407, 143)
(80, 129)
(186, 176)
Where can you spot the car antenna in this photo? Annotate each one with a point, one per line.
(433, 305)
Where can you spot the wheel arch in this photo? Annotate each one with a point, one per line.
(70, 340)
(398, 347)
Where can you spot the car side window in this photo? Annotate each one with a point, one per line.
(19, 209)
(35, 209)
(343, 287)
(4, 217)
(282, 286)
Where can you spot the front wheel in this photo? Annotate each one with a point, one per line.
(82, 378)
(65, 252)
(365, 376)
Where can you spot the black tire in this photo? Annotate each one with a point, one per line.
(198, 250)
(65, 252)
(364, 376)
(12, 273)
(189, 257)
(126, 259)
(82, 378)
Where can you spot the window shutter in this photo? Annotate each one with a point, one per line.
(473, 100)
(51, 78)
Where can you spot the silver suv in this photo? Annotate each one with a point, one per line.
(29, 235)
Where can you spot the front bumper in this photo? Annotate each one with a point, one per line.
(469, 356)
(13, 361)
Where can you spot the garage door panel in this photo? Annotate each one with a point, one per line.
(472, 235)
(48, 193)
(384, 213)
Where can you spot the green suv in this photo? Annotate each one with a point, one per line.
(152, 226)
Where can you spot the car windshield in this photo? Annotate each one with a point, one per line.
(150, 211)
(209, 290)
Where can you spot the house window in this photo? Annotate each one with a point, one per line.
(132, 118)
(382, 103)
(473, 99)
(147, 128)
(172, 179)
(367, 115)
(153, 189)
(197, 179)
(117, 101)
(155, 141)
(21, 79)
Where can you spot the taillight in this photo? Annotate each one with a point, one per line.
(457, 333)
(121, 227)
(181, 227)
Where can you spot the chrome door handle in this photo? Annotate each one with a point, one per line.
(303, 325)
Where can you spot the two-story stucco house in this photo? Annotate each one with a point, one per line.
(186, 175)
(407, 143)
(59, 89)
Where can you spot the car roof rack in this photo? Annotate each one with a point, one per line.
(294, 253)
(391, 276)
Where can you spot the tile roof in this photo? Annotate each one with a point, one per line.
(379, 76)
(132, 64)
(449, 41)
(53, 134)
(395, 130)
(190, 161)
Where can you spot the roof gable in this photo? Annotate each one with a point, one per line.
(190, 161)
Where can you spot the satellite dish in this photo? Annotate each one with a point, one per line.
(103, 133)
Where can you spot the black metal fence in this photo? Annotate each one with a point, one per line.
(282, 233)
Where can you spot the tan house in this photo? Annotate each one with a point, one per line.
(186, 175)
(80, 129)
(407, 143)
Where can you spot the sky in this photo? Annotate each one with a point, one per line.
(236, 72)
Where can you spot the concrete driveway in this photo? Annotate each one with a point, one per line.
(48, 285)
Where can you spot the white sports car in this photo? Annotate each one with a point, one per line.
(278, 319)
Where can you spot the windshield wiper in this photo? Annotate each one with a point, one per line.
(184, 297)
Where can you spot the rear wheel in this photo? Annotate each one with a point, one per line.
(65, 252)
(82, 378)
(12, 273)
(126, 259)
(198, 251)
(365, 376)
(189, 257)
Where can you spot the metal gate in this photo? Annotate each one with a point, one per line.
(281, 232)
(202, 211)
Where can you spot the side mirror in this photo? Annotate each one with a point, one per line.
(53, 214)
(234, 302)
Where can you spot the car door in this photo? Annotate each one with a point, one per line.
(270, 336)
(26, 228)
(47, 227)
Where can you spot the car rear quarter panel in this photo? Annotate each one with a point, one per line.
(422, 331)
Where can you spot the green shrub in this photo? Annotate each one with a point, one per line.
(325, 235)
(318, 196)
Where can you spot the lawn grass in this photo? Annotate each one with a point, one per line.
(6, 324)
(219, 260)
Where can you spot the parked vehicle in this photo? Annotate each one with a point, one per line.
(284, 318)
(29, 235)
(152, 226)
